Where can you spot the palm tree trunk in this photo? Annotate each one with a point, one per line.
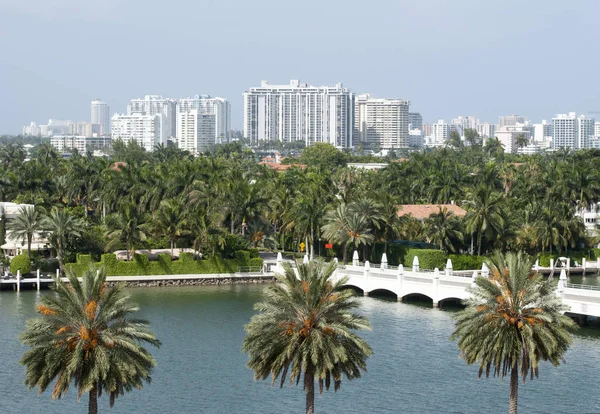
(309, 387)
(479, 244)
(29, 246)
(171, 248)
(93, 403)
(514, 390)
(60, 260)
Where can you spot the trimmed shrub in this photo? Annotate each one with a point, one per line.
(253, 253)
(466, 262)
(255, 262)
(84, 258)
(20, 263)
(186, 257)
(428, 258)
(49, 265)
(109, 259)
(243, 257)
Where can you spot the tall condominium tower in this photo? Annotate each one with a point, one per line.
(440, 132)
(585, 131)
(299, 112)
(153, 105)
(220, 108)
(146, 130)
(511, 120)
(381, 121)
(415, 120)
(101, 115)
(195, 130)
(566, 131)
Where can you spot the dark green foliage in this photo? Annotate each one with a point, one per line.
(20, 263)
(466, 262)
(396, 253)
(428, 258)
(243, 257)
(186, 264)
(254, 253)
(233, 243)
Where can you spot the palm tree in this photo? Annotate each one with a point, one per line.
(61, 225)
(84, 337)
(485, 213)
(513, 320)
(169, 221)
(25, 225)
(335, 229)
(128, 227)
(443, 229)
(305, 326)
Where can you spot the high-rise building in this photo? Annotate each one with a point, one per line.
(207, 105)
(542, 132)
(146, 130)
(597, 129)
(565, 131)
(415, 120)
(156, 105)
(299, 112)
(81, 143)
(507, 135)
(486, 130)
(195, 130)
(461, 123)
(511, 120)
(381, 121)
(100, 114)
(440, 132)
(585, 131)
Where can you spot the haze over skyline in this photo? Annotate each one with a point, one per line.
(463, 57)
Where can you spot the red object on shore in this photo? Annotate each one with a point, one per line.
(329, 246)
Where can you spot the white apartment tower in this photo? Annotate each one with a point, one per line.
(565, 131)
(146, 130)
(156, 105)
(381, 121)
(511, 120)
(299, 112)
(507, 135)
(585, 131)
(219, 108)
(195, 130)
(440, 132)
(100, 114)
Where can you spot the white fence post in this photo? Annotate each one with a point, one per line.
(366, 272)
(18, 280)
(400, 282)
(38, 279)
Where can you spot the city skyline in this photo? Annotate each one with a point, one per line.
(449, 65)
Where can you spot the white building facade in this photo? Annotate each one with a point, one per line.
(100, 114)
(299, 112)
(146, 130)
(156, 105)
(381, 121)
(219, 108)
(81, 143)
(195, 130)
(507, 135)
(511, 120)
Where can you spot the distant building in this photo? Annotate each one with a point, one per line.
(486, 130)
(542, 131)
(14, 245)
(146, 130)
(219, 108)
(415, 138)
(570, 131)
(81, 143)
(511, 120)
(156, 105)
(440, 132)
(86, 129)
(368, 165)
(507, 135)
(381, 121)
(195, 130)
(597, 129)
(415, 120)
(299, 112)
(423, 211)
(100, 114)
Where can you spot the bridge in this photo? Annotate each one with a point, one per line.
(444, 285)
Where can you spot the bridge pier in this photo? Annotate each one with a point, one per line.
(436, 305)
(365, 293)
(581, 319)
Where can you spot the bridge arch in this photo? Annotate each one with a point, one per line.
(354, 287)
(416, 297)
(383, 293)
(452, 302)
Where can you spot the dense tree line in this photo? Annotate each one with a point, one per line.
(167, 198)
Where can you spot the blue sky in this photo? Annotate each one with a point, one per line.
(449, 58)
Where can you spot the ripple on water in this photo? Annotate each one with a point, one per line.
(415, 368)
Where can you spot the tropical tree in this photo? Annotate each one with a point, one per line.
(513, 320)
(485, 213)
(305, 326)
(84, 337)
(128, 226)
(25, 225)
(169, 221)
(60, 225)
(444, 230)
(335, 230)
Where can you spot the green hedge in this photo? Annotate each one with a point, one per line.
(428, 258)
(20, 263)
(243, 257)
(466, 262)
(576, 255)
(186, 264)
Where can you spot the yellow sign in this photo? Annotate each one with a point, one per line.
(302, 246)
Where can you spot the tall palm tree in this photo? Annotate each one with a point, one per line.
(443, 229)
(84, 337)
(169, 221)
(127, 226)
(485, 213)
(60, 225)
(305, 326)
(335, 229)
(513, 320)
(25, 225)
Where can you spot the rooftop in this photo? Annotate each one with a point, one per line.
(423, 211)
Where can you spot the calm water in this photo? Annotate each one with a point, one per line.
(415, 368)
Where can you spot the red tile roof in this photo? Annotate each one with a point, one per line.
(423, 211)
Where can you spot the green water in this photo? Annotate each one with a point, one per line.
(414, 369)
